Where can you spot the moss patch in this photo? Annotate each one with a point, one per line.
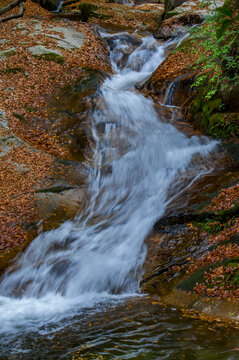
(51, 57)
(14, 70)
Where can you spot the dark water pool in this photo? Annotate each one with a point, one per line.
(139, 329)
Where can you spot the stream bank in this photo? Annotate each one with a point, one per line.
(43, 139)
(194, 253)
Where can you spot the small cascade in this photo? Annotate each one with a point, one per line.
(139, 165)
(59, 7)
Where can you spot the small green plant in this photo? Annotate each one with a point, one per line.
(218, 61)
(215, 226)
(30, 109)
(19, 117)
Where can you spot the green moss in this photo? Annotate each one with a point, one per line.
(102, 16)
(89, 83)
(14, 70)
(51, 57)
(30, 109)
(87, 10)
(221, 125)
(209, 115)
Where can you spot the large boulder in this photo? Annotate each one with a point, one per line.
(172, 4)
(177, 25)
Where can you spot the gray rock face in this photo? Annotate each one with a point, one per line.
(19, 26)
(37, 25)
(7, 53)
(39, 50)
(72, 38)
(4, 41)
(3, 120)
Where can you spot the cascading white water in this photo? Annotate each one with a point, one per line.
(139, 164)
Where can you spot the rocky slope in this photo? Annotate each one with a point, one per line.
(46, 66)
(193, 252)
(51, 69)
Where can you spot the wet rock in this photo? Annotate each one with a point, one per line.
(168, 251)
(69, 113)
(55, 207)
(177, 26)
(123, 46)
(178, 240)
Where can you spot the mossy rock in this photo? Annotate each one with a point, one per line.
(198, 277)
(13, 70)
(224, 125)
(90, 82)
(87, 10)
(209, 115)
(52, 57)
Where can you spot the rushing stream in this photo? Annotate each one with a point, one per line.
(70, 276)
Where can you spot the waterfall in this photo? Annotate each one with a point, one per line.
(139, 164)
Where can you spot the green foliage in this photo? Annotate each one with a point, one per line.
(218, 40)
(214, 227)
(19, 117)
